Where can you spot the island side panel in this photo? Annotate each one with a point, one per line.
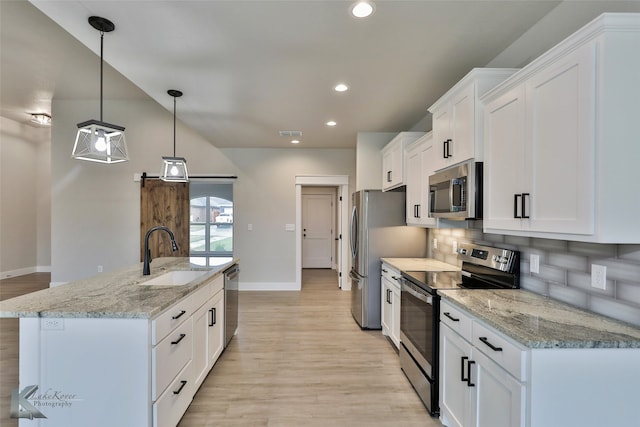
(89, 371)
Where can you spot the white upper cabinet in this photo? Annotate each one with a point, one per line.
(457, 118)
(420, 155)
(559, 136)
(393, 160)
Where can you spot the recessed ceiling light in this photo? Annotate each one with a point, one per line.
(331, 123)
(295, 141)
(362, 9)
(341, 87)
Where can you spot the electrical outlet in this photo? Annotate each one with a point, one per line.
(534, 263)
(52, 324)
(599, 276)
(455, 246)
(435, 243)
(249, 227)
(99, 269)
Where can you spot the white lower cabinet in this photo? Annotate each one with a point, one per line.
(489, 380)
(208, 327)
(478, 389)
(390, 308)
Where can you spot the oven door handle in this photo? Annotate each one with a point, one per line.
(422, 297)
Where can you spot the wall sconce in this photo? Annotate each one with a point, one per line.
(98, 141)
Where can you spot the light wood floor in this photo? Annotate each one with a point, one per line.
(299, 359)
(9, 288)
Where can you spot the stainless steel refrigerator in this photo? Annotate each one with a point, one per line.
(378, 230)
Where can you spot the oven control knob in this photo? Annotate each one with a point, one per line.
(462, 251)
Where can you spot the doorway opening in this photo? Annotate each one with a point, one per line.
(321, 221)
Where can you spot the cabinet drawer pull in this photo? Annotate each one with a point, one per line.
(463, 359)
(179, 339)
(213, 320)
(469, 383)
(182, 384)
(388, 176)
(179, 315)
(491, 346)
(447, 314)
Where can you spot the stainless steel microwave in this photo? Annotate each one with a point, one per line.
(456, 192)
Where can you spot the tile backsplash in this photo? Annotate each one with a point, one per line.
(565, 268)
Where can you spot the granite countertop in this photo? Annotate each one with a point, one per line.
(419, 264)
(119, 294)
(538, 322)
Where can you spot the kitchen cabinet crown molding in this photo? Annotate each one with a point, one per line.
(607, 22)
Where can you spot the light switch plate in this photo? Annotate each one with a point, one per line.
(290, 227)
(435, 243)
(455, 246)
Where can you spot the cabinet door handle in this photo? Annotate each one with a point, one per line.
(515, 205)
(447, 314)
(446, 148)
(179, 339)
(488, 344)
(182, 384)
(463, 359)
(179, 315)
(213, 320)
(389, 300)
(388, 176)
(524, 204)
(469, 383)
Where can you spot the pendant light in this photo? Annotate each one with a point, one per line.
(98, 141)
(174, 169)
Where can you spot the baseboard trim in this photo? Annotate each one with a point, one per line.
(268, 286)
(17, 272)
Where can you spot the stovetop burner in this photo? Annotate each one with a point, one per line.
(483, 267)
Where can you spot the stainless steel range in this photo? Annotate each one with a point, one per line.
(483, 267)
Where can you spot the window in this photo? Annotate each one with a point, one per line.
(211, 219)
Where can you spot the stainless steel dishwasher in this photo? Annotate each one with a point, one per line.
(231, 302)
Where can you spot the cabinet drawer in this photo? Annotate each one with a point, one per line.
(456, 319)
(170, 319)
(172, 404)
(170, 356)
(501, 350)
(201, 296)
(391, 274)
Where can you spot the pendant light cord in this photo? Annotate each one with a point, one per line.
(101, 67)
(174, 126)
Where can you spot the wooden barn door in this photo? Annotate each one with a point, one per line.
(164, 203)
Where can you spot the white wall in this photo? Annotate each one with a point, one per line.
(24, 199)
(96, 208)
(265, 197)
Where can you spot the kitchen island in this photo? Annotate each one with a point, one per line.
(119, 348)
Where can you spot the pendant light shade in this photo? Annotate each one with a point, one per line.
(174, 169)
(98, 141)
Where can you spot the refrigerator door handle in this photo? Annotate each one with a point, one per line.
(354, 232)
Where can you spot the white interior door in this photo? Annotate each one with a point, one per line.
(317, 230)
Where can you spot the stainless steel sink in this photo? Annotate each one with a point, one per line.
(174, 278)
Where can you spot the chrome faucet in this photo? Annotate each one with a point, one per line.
(146, 268)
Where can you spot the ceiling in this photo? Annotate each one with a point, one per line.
(249, 69)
